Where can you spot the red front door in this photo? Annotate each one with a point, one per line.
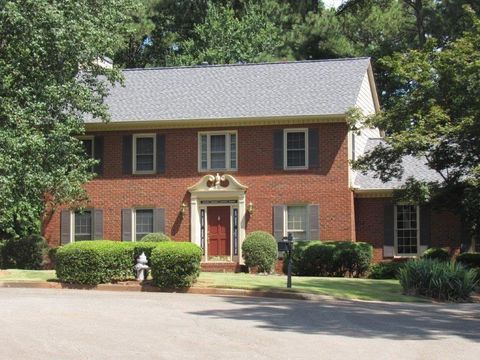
(218, 218)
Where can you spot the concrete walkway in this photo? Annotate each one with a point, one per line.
(79, 324)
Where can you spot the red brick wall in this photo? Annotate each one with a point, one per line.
(327, 185)
(445, 228)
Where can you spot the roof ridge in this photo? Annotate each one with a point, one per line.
(247, 64)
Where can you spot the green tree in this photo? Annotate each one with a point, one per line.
(435, 114)
(50, 80)
(252, 33)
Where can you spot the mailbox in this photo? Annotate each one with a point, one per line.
(286, 246)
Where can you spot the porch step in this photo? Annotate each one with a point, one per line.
(220, 267)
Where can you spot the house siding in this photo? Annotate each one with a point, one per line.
(326, 185)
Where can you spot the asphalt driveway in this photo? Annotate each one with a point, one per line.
(71, 324)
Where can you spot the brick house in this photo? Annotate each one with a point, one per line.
(207, 154)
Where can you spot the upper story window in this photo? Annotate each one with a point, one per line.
(83, 225)
(144, 154)
(143, 223)
(297, 221)
(217, 150)
(406, 229)
(295, 148)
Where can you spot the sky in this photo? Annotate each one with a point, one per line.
(332, 3)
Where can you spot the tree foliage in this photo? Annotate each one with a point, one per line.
(435, 115)
(49, 81)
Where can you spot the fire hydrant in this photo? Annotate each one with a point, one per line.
(141, 267)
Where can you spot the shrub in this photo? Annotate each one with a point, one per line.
(260, 249)
(175, 264)
(440, 280)
(94, 262)
(299, 266)
(436, 254)
(469, 260)
(156, 237)
(334, 258)
(25, 253)
(385, 270)
(2, 246)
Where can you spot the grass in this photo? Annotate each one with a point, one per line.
(343, 288)
(27, 275)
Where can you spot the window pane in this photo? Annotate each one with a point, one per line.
(407, 234)
(83, 225)
(144, 158)
(233, 151)
(296, 149)
(143, 223)
(204, 163)
(297, 218)
(217, 152)
(88, 147)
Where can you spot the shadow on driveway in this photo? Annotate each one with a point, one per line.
(397, 321)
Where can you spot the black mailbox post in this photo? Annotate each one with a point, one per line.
(287, 246)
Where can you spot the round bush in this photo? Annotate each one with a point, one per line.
(175, 264)
(94, 262)
(25, 253)
(155, 237)
(385, 270)
(440, 280)
(436, 254)
(260, 249)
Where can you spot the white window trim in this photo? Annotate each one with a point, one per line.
(227, 150)
(395, 241)
(89, 137)
(285, 150)
(307, 223)
(72, 223)
(134, 221)
(134, 157)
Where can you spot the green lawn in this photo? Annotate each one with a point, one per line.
(344, 288)
(27, 275)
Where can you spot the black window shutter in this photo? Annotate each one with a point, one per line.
(388, 230)
(97, 225)
(127, 225)
(278, 222)
(127, 154)
(278, 150)
(65, 227)
(98, 149)
(314, 222)
(160, 153)
(159, 220)
(425, 221)
(313, 161)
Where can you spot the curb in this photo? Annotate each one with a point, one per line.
(134, 286)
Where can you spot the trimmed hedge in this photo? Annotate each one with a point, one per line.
(385, 270)
(260, 249)
(94, 262)
(175, 264)
(436, 254)
(156, 237)
(333, 258)
(448, 281)
(25, 253)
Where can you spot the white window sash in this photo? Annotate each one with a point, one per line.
(228, 152)
(134, 157)
(285, 149)
(395, 242)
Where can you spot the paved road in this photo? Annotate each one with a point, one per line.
(70, 324)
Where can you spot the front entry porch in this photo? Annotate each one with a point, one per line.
(218, 220)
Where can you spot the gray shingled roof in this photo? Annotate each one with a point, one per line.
(328, 87)
(412, 166)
